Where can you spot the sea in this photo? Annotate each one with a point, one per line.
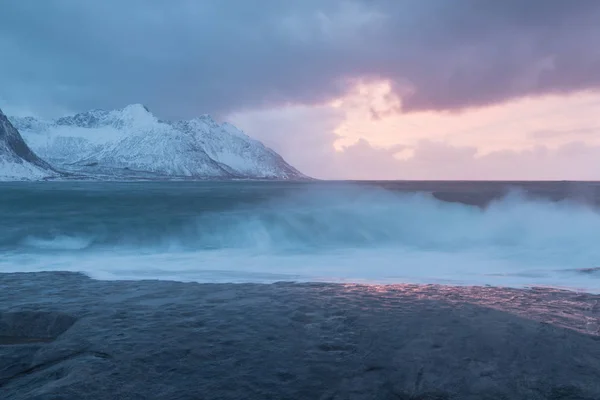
(517, 234)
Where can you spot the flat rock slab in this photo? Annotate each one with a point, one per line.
(8, 340)
(65, 336)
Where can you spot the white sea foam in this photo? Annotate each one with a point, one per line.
(351, 235)
(60, 242)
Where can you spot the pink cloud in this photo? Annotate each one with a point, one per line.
(305, 137)
(433, 161)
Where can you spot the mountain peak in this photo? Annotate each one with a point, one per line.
(136, 108)
(134, 115)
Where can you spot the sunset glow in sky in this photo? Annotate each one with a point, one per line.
(357, 89)
(366, 135)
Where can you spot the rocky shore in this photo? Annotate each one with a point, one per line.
(65, 336)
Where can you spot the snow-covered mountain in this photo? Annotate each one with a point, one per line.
(132, 141)
(17, 161)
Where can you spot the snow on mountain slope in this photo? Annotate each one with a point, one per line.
(229, 146)
(17, 161)
(133, 140)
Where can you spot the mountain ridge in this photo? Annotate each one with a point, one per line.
(133, 141)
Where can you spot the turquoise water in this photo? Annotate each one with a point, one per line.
(312, 231)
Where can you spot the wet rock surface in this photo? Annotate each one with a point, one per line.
(64, 336)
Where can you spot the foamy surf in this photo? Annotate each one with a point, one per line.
(60, 242)
(265, 232)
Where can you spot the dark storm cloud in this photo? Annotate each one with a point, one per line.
(186, 57)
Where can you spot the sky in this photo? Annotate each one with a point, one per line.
(342, 89)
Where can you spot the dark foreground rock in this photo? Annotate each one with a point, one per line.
(64, 336)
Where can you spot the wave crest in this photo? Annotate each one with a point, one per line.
(60, 242)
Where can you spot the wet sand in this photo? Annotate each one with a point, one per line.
(171, 340)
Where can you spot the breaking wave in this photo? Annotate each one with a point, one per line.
(347, 233)
(60, 242)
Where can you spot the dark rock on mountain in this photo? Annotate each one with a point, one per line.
(17, 161)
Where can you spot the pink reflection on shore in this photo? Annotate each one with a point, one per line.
(567, 309)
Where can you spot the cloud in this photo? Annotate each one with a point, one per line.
(307, 138)
(569, 133)
(190, 57)
(441, 161)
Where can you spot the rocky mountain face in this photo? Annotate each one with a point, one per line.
(17, 160)
(133, 142)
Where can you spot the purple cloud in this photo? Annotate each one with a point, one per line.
(189, 57)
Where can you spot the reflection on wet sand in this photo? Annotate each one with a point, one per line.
(563, 308)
